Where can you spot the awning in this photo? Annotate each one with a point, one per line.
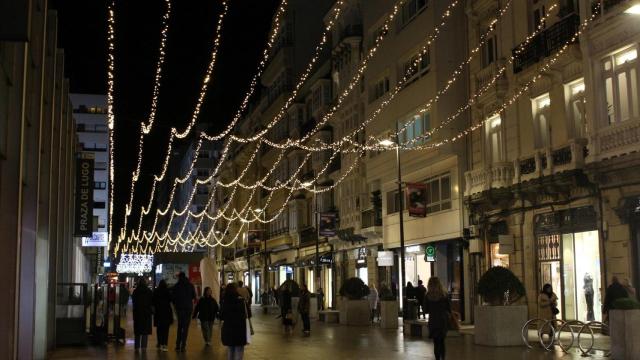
(274, 266)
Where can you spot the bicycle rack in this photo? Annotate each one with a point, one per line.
(556, 328)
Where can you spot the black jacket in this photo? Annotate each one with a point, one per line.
(234, 321)
(614, 292)
(142, 300)
(206, 309)
(163, 315)
(420, 292)
(183, 294)
(438, 311)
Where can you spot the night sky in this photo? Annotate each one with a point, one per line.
(82, 33)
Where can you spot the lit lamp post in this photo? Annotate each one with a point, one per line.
(389, 143)
(317, 220)
(264, 244)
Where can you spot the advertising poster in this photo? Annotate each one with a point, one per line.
(327, 224)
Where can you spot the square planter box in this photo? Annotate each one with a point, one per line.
(499, 325)
(354, 312)
(624, 329)
(389, 314)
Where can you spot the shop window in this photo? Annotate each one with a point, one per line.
(620, 75)
(541, 120)
(493, 129)
(576, 104)
(498, 259)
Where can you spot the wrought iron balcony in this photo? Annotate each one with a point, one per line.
(546, 42)
(371, 218)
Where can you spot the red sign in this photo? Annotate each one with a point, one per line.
(417, 199)
(194, 273)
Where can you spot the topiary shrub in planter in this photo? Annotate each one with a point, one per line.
(353, 306)
(624, 327)
(496, 282)
(354, 289)
(500, 323)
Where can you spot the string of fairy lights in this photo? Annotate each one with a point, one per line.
(246, 215)
(174, 133)
(110, 113)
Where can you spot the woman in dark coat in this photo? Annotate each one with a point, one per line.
(233, 314)
(142, 299)
(439, 309)
(163, 316)
(286, 309)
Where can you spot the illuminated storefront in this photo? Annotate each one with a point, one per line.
(568, 253)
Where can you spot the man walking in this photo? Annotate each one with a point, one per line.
(183, 295)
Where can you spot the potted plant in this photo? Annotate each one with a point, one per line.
(354, 306)
(388, 308)
(498, 321)
(624, 327)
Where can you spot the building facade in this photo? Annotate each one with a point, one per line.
(37, 172)
(552, 185)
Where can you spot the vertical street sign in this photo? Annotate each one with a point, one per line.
(84, 198)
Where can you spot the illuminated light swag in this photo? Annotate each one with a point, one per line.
(134, 264)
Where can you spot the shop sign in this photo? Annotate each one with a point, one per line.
(253, 238)
(430, 253)
(327, 224)
(385, 258)
(362, 256)
(412, 249)
(97, 239)
(417, 199)
(326, 259)
(84, 198)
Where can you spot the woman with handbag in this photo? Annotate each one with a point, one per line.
(233, 314)
(438, 307)
(547, 305)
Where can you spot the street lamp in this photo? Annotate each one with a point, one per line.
(307, 184)
(389, 143)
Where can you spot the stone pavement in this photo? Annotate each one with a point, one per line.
(327, 341)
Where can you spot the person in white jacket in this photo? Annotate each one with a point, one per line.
(373, 301)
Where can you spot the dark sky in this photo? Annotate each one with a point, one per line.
(82, 34)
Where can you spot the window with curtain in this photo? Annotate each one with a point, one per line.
(620, 75)
(541, 120)
(495, 149)
(416, 126)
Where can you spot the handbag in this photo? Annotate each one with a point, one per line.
(250, 325)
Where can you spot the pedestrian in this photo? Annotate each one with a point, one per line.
(163, 315)
(142, 300)
(614, 292)
(438, 307)
(304, 306)
(285, 309)
(547, 306)
(183, 295)
(631, 291)
(373, 302)
(123, 300)
(233, 313)
(421, 292)
(246, 294)
(206, 310)
(320, 296)
(410, 292)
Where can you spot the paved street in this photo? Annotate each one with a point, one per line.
(327, 341)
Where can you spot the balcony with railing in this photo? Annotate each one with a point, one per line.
(371, 222)
(499, 175)
(616, 140)
(546, 42)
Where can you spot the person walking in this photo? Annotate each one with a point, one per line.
(373, 298)
(163, 314)
(438, 307)
(233, 314)
(421, 292)
(286, 312)
(246, 294)
(614, 292)
(547, 305)
(206, 310)
(142, 300)
(320, 296)
(304, 306)
(183, 295)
